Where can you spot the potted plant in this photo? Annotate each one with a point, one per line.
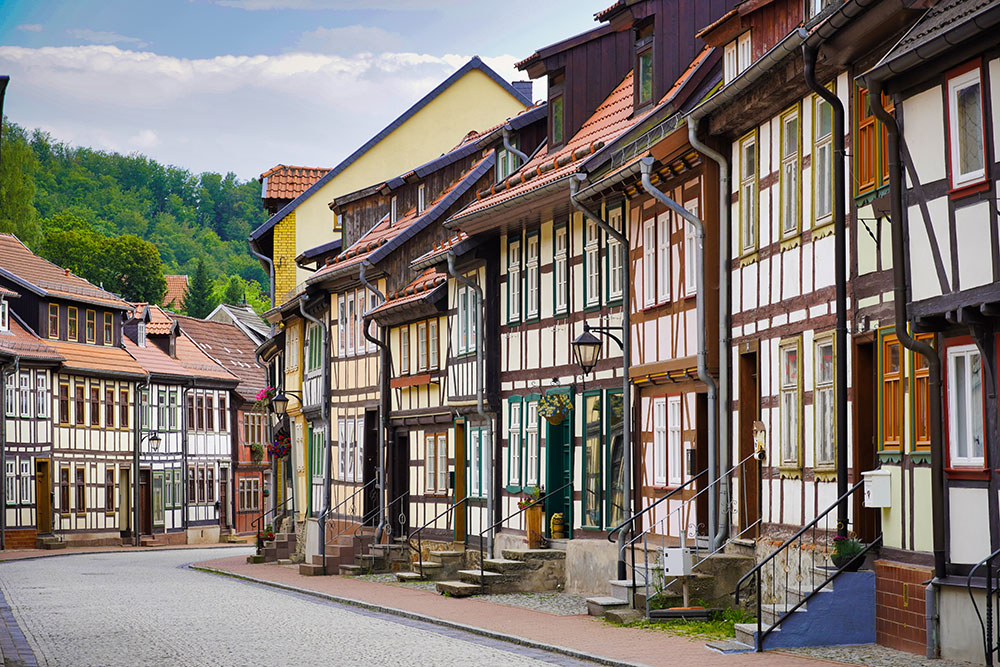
(845, 551)
(264, 397)
(280, 447)
(554, 408)
(534, 517)
(267, 535)
(256, 452)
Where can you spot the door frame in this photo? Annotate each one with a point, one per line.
(559, 468)
(145, 501)
(43, 496)
(125, 500)
(864, 387)
(749, 392)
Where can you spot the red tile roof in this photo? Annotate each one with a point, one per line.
(288, 182)
(612, 116)
(154, 360)
(177, 287)
(8, 292)
(48, 279)
(441, 248)
(159, 322)
(96, 358)
(19, 341)
(419, 288)
(231, 348)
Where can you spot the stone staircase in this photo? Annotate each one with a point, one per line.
(377, 558)
(281, 548)
(49, 542)
(517, 571)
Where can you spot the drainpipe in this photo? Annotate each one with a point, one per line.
(840, 272)
(483, 414)
(325, 412)
(646, 164)
(184, 454)
(383, 401)
(137, 434)
(270, 436)
(3, 448)
(268, 261)
(725, 330)
(922, 348)
(510, 147)
(574, 188)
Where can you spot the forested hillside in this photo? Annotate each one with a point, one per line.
(91, 211)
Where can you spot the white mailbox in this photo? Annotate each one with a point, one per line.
(676, 561)
(878, 488)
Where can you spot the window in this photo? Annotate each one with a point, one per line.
(25, 393)
(317, 451)
(433, 344)
(744, 53)
(436, 463)
(592, 471)
(199, 412)
(141, 334)
(730, 67)
(556, 115)
(477, 474)
(27, 493)
(892, 393)
(422, 346)
(644, 65)
(467, 309)
(663, 257)
(64, 490)
(201, 485)
(790, 407)
(814, 7)
(507, 161)
(63, 403)
(675, 443)
(967, 148)
(649, 262)
(192, 497)
(341, 326)
(592, 263)
(531, 444)
(72, 323)
(10, 397)
(691, 254)
(615, 259)
(823, 405)
(341, 449)
(174, 408)
(822, 161)
(4, 315)
(393, 211)
(870, 145)
(421, 203)
(921, 398)
(168, 488)
(91, 326)
(748, 193)
(209, 413)
(109, 489)
(789, 178)
(351, 450)
(660, 441)
(253, 428)
(314, 348)
(144, 409)
(42, 393)
(162, 410)
(79, 405)
(81, 490)
(531, 275)
(965, 407)
(514, 443)
(514, 280)
(372, 327)
(95, 406)
(177, 488)
(351, 326)
(616, 460)
(10, 488)
(53, 321)
(123, 408)
(292, 348)
(359, 323)
(404, 349)
(210, 485)
(560, 269)
(108, 330)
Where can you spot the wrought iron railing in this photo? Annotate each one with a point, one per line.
(258, 524)
(799, 567)
(991, 642)
(352, 510)
(419, 532)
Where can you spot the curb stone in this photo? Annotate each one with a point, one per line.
(483, 632)
(138, 550)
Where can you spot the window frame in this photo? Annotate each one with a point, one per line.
(10, 481)
(560, 262)
(90, 326)
(27, 495)
(649, 256)
(515, 444)
(888, 444)
(109, 330)
(73, 324)
(644, 51)
(4, 315)
(24, 393)
(433, 344)
(664, 257)
(961, 78)
(393, 210)
(514, 269)
(588, 425)
(613, 256)
(42, 402)
(422, 353)
(821, 341)
(749, 212)
(968, 462)
(659, 406)
(404, 349)
(53, 320)
(532, 442)
(789, 465)
(532, 276)
(821, 143)
(919, 380)
(790, 168)
(591, 264)
(476, 436)
(421, 199)
(80, 487)
(435, 483)
(691, 254)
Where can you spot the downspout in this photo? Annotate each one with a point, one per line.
(480, 408)
(184, 453)
(510, 147)
(922, 348)
(574, 188)
(137, 428)
(646, 164)
(325, 412)
(268, 261)
(3, 448)
(383, 400)
(840, 272)
(273, 495)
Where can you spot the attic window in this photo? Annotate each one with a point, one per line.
(644, 65)
(141, 335)
(556, 109)
(738, 56)
(392, 211)
(4, 314)
(421, 201)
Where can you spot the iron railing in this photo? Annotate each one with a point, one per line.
(991, 642)
(419, 532)
(352, 511)
(258, 523)
(798, 575)
(492, 528)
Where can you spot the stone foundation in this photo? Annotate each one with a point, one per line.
(203, 535)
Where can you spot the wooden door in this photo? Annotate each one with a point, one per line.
(125, 501)
(701, 463)
(866, 522)
(460, 487)
(369, 464)
(223, 498)
(559, 471)
(749, 498)
(43, 496)
(145, 503)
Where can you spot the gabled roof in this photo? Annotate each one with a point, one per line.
(384, 237)
(20, 341)
(158, 323)
(457, 243)
(416, 298)
(97, 359)
(563, 45)
(45, 279)
(177, 287)
(244, 317)
(231, 348)
(288, 182)
(474, 63)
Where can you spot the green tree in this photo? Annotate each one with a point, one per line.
(132, 268)
(18, 165)
(198, 302)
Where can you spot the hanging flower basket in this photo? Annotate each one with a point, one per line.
(554, 408)
(280, 447)
(264, 397)
(256, 452)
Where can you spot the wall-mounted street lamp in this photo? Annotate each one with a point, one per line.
(587, 346)
(279, 403)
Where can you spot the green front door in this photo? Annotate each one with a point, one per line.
(559, 471)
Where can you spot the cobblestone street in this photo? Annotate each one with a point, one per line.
(148, 609)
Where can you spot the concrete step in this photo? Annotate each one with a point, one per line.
(795, 594)
(533, 554)
(351, 570)
(770, 613)
(285, 561)
(409, 577)
(255, 559)
(310, 570)
(598, 606)
(447, 554)
(484, 578)
(503, 565)
(458, 589)
(729, 646)
(745, 632)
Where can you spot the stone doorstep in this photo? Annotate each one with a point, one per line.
(503, 565)
(729, 646)
(447, 554)
(770, 613)
(310, 570)
(351, 570)
(533, 554)
(598, 606)
(458, 589)
(485, 578)
(408, 577)
(745, 632)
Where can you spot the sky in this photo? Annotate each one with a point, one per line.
(242, 85)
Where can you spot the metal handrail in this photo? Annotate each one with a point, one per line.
(626, 522)
(374, 513)
(987, 628)
(418, 531)
(511, 516)
(259, 522)
(344, 501)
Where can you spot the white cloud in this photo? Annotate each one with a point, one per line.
(104, 37)
(30, 27)
(405, 5)
(350, 39)
(239, 113)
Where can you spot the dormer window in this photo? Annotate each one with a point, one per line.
(737, 57)
(393, 211)
(556, 109)
(141, 334)
(4, 315)
(644, 65)
(507, 162)
(421, 201)
(816, 7)
(53, 321)
(108, 330)
(72, 324)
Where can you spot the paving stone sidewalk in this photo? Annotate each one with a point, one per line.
(14, 648)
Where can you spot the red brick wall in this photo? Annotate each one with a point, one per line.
(899, 606)
(21, 539)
